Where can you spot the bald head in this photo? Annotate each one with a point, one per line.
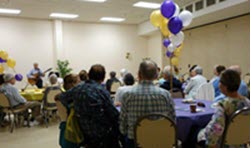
(236, 68)
(148, 70)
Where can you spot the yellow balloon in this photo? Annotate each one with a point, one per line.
(1, 69)
(163, 28)
(180, 47)
(156, 18)
(4, 55)
(175, 61)
(11, 63)
(177, 53)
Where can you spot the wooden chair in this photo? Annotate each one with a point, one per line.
(49, 99)
(15, 112)
(155, 131)
(205, 92)
(237, 128)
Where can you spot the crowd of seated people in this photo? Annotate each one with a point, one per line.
(100, 123)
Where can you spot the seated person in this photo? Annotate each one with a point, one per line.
(123, 71)
(243, 88)
(167, 76)
(83, 75)
(16, 100)
(216, 80)
(195, 82)
(53, 86)
(110, 81)
(70, 81)
(128, 81)
(229, 84)
(59, 79)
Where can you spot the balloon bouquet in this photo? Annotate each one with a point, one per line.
(6, 62)
(170, 22)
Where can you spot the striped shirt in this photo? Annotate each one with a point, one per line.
(143, 99)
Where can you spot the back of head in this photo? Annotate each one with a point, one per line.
(83, 75)
(70, 81)
(236, 68)
(53, 79)
(112, 74)
(128, 79)
(167, 71)
(7, 77)
(220, 68)
(148, 70)
(198, 70)
(97, 73)
(123, 72)
(231, 79)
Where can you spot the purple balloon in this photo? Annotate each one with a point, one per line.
(166, 42)
(2, 60)
(169, 54)
(168, 8)
(18, 77)
(175, 25)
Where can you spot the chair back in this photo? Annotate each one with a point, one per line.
(155, 131)
(115, 86)
(205, 92)
(62, 111)
(4, 101)
(176, 93)
(52, 94)
(237, 128)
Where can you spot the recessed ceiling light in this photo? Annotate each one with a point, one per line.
(63, 15)
(147, 5)
(97, 1)
(112, 19)
(10, 11)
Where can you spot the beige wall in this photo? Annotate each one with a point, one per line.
(224, 43)
(87, 44)
(154, 47)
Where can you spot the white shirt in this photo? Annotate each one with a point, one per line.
(193, 85)
(120, 92)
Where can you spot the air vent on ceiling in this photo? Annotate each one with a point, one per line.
(189, 8)
(199, 5)
(210, 2)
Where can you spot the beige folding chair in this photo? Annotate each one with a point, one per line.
(114, 88)
(50, 99)
(155, 131)
(205, 92)
(237, 128)
(16, 112)
(62, 111)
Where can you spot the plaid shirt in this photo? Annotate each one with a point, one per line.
(143, 99)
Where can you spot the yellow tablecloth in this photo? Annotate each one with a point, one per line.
(33, 94)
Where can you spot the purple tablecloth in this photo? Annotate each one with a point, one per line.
(186, 120)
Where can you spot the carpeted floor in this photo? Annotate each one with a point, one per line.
(33, 137)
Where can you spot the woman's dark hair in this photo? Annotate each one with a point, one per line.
(231, 79)
(97, 72)
(70, 81)
(1, 79)
(220, 68)
(128, 79)
(83, 75)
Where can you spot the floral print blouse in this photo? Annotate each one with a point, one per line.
(215, 128)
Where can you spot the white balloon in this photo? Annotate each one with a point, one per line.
(186, 17)
(171, 47)
(177, 10)
(177, 39)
